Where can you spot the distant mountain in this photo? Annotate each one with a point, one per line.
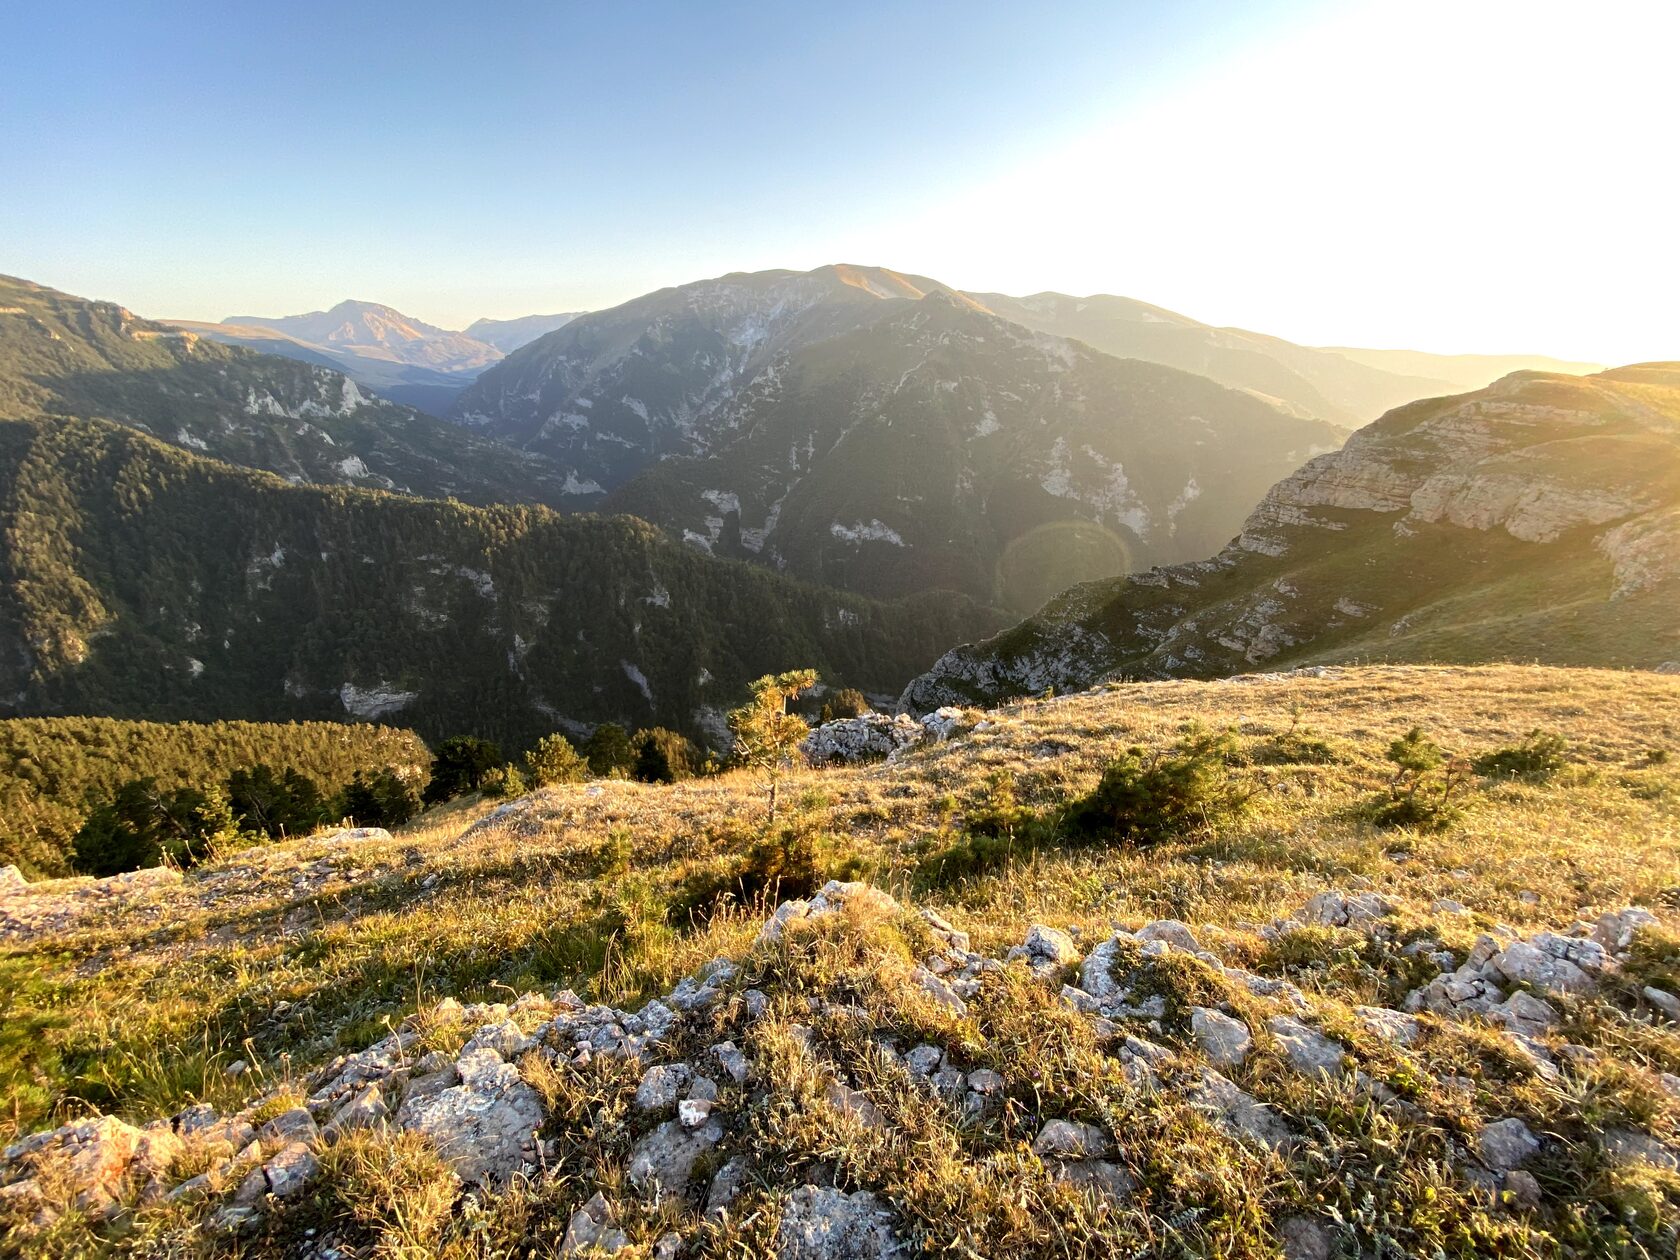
(398, 357)
(137, 580)
(371, 331)
(1537, 519)
(1464, 371)
(885, 432)
(1315, 382)
(62, 355)
(940, 447)
(507, 335)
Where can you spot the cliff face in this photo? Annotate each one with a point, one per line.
(1538, 518)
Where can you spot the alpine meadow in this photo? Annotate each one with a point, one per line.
(886, 632)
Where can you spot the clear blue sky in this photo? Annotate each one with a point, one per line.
(200, 160)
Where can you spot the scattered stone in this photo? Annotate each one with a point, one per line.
(1102, 1178)
(1392, 1026)
(1223, 1039)
(504, 1038)
(1047, 950)
(1663, 1000)
(859, 897)
(1237, 1112)
(850, 1102)
(1176, 934)
(924, 1059)
(663, 1161)
(291, 1170)
(1524, 1014)
(822, 1223)
(662, 1085)
(1524, 1188)
(730, 1058)
(366, 1110)
(726, 1184)
(1615, 931)
(1300, 1238)
(1360, 910)
(1506, 1144)
(1308, 1050)
(694, 1112)
(1070, 1140)
(1629, 1145)
(939, 991)
(594, 1227)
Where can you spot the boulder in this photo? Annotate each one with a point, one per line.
(1238, 1113)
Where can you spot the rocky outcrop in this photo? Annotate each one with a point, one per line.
(1389, 544)
(689, 1140)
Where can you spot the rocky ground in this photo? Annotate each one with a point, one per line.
(1340, 1042)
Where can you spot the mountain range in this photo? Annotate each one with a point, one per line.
(62, 355)
(885, 432)
(403, 359)
(1537, 519)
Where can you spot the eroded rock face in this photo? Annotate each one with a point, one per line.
(484, 1127)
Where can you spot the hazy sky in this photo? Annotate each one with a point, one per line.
(1454, 176)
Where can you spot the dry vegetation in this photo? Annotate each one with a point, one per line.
(284, 957)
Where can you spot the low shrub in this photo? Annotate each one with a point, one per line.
(1538, 758)
(1144, 798)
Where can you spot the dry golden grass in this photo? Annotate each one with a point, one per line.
(285, 956)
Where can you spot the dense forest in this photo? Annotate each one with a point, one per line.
(54, 772)
(139, 581)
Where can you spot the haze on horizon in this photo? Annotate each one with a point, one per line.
(1489, 178)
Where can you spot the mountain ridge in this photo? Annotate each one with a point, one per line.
(1536, 519)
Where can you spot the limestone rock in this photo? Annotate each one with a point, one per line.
(1226, 1041)
(1070, 1140)
(662, 1163)
(594, 1227)
(482, 1127)
(821, 1223)
(867, 737)
(1308, 1050)
(1506, 1144)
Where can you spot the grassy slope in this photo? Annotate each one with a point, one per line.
(138, 1012)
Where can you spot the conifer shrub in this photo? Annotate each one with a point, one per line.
(1144, 798)
(665, 756)
(1536, 759)
(504, 782)
(382, 799)
(147, 825)
(1426, 781)
(555, 760)
(848, 702)
(460, 765)
(609, 751)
